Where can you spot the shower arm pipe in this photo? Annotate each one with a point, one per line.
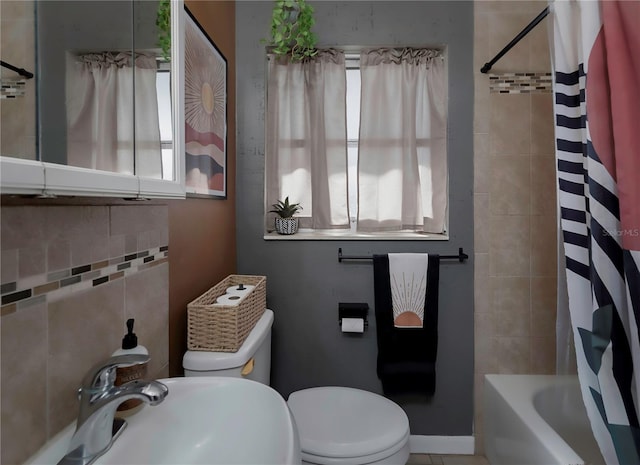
(461, 257)
(487, 66)
(21, 71)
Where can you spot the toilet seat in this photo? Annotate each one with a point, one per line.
(348, 426)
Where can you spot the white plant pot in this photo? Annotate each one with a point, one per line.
(286, 225)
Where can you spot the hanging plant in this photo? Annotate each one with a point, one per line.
(163, 22)
(291, 24)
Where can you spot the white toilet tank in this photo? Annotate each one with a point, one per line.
(252, 361)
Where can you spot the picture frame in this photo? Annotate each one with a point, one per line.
(205, 101)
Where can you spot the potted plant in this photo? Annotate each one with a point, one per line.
(291, 35)
(163, 22)
(285, 222)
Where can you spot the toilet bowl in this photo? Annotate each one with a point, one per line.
(336, 425)
(340, 425)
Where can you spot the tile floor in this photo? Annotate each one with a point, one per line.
(432, 459)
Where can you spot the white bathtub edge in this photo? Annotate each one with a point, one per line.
(458, 445)
(517, 391)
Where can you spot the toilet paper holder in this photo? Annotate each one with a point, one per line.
(353, 310)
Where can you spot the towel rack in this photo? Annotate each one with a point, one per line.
(460, 257)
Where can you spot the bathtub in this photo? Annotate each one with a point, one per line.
(537, 420)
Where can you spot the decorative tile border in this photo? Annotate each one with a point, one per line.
(520, 83)
(12, 88)
(53, 286)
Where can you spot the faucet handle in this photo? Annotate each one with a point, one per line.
(103, 375)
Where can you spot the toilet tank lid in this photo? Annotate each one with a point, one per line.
(197, 360)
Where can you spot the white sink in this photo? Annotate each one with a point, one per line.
(203, 420)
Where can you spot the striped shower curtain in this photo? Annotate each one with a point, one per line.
(596, 51)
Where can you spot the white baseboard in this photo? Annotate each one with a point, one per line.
(459, 445)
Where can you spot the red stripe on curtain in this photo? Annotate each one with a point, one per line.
(613, 108)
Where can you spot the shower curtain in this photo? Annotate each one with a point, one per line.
(596, 51)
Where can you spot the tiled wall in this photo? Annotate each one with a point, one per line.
(514, 198)
(18, 129)
(71, 276)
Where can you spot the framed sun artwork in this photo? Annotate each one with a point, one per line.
(205, 99)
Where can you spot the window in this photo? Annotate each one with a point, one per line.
(393, 180)
(353, 127)
(163, 91)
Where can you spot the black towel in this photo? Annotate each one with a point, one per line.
(406, 356)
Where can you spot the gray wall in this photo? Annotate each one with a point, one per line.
(305, 282)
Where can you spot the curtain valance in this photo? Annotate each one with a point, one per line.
(412, 56)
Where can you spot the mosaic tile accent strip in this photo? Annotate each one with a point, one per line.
(12, 88)
(520, 83)
(24, 293)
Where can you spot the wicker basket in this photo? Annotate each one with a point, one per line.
(222, 328)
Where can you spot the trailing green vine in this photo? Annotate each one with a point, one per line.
(291, 24)
(163, 22)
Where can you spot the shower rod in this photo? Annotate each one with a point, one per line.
(487, 66)
(21, 71)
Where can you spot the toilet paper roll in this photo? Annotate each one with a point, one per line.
(234, 289)
(229, 299)
(352, 325)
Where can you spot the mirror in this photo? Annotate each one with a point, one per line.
(17, 98)
(101, 67)
(101, 97)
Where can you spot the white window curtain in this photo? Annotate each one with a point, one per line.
(306, 147)
(402, 156)
(101, 131)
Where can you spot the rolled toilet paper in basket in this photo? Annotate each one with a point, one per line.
(246, 288)
(229, 299)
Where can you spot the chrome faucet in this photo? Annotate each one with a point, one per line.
(99, 400)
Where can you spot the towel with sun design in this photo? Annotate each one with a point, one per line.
(406, 307)
(408, 280)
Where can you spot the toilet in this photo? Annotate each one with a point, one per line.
(251, 361)
(336, 425)
(340, 425)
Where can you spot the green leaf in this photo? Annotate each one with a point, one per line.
(291, 24)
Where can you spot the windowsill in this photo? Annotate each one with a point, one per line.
(344, 235)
